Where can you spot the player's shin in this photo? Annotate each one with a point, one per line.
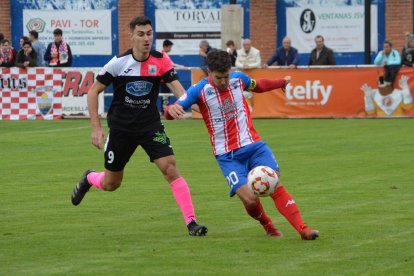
(257, 212)
(286, 205)
(182, 196)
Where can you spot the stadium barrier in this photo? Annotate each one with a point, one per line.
(327, 92)
(315, 92)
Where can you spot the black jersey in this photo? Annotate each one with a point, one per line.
(136, 87)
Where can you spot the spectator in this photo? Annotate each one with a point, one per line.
(27, 56)
(38, 46)
(166, 49)
(231, 49)
(407, 54)
(7, 54)
(1, 36)
(58, 53)
(391, 60)
(248, 56)
(22, 40)
(286, 55)
(321, 55)
(204, 49)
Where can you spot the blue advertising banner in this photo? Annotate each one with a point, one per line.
(341, 23)
(89, 27)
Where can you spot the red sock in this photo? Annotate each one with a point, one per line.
(287, 207)
(258, 213)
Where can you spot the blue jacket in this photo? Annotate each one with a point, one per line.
(392, 59)
(283, 59)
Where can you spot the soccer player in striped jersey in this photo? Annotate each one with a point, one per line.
(133, 120)
(236, 144)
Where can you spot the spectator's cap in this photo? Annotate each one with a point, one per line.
(167, 43)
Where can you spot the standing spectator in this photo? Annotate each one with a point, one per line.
(321, 55)
(166, 49)
(390, 59)
(407, 54)
(38, 46)
(58, 53)
(286, 55)
(133, 120)
(204, 49)
(26, 57)
(231, 49)
(248, 57)
(7, 54)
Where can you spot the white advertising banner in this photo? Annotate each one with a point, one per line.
(76, 83)
(342, 27)
(88, 32)
(186, 28)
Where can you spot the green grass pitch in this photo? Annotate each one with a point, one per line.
(351, 178)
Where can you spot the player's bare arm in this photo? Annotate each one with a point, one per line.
(97, 135)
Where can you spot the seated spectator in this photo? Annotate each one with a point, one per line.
(391, 60)
(166, 49)
(26, 57)
(38, 46)
(204, 49)
(7, 54)
(286, 55)
(248, 57)
(58, 53)
(321, 55)
(407, 54)
(231, 49)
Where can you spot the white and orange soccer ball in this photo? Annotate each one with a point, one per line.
(262, 181)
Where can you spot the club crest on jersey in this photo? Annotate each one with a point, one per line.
(152, 69)
(228, 107)
(138, 88)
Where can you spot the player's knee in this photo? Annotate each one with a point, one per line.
(171, 172)
(251, 202)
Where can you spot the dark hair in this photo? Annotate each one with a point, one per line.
(28, 43)
(1, 37)
(219, 61)
(230, 42)
(139, 21)
(388, 42)
(57, 32)
(5, 41)
(25, 38)
(167, 43)
(34, 33)
(319, 36)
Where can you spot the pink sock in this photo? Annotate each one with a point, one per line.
(183, 198)
(95, 179)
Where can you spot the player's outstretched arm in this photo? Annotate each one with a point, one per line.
(98, 135)
(264, 85)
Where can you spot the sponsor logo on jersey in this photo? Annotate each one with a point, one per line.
(127, 70)
(139, 88)
(210, 92)
(152, 69)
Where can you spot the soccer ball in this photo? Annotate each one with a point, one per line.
(262, 181)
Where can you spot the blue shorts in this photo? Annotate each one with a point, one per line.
(235, 165)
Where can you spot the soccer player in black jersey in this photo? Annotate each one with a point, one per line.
(134, 120)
